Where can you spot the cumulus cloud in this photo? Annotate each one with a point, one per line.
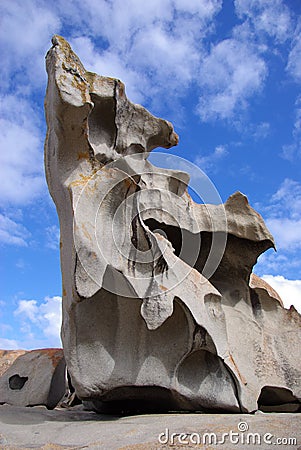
(21, 156)
(109, 63)
(235, 69)
(45, 317)
(230, 74)
(286, 232)
(289, 290)
(270, 17)
(147, 45)
(154, 44)
(25, 32)
(120, 24)
(26, 27)
(283, 218)
(283, 215)
(150, 46)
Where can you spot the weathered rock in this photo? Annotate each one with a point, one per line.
(262, 288)
(35, 378)
(7, 358)
(158, 312)
(21, 428)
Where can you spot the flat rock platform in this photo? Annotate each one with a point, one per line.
(75, 428)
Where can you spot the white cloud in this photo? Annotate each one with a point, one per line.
(20, 182)
(261, 130)
(21, 156)
(155, 45)
(109, 63)
(293, 150)
(286, 232)
(283, 215)
(118, 22)
(169, 49)
(151, 46)
(45, 317)
(9, 344)
(230, 74)
(294, 58)
(278, 262)
(204, 8)
(289, 290)
(271, 17)
(286, 202)
(26, 28)
(53, 237)
(28, 308)
(12, 233)
(209, 162)
(283, 218)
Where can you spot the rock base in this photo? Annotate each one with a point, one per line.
(22, 428)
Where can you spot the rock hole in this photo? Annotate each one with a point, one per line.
(277, 399)
(173, 234)
(102, 127)
(186, 245)
(16, 382)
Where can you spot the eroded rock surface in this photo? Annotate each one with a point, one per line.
(7, 358)
(159, 312)
(36, 377)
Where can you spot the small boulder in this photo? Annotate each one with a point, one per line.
(37, 377)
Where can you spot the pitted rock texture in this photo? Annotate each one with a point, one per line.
(7, 358)
(160, 307)
(36, 377)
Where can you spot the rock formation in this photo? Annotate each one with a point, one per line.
(35, 377)
(160, 310)
(7, 358)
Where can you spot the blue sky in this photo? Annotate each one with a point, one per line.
(227, 74)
